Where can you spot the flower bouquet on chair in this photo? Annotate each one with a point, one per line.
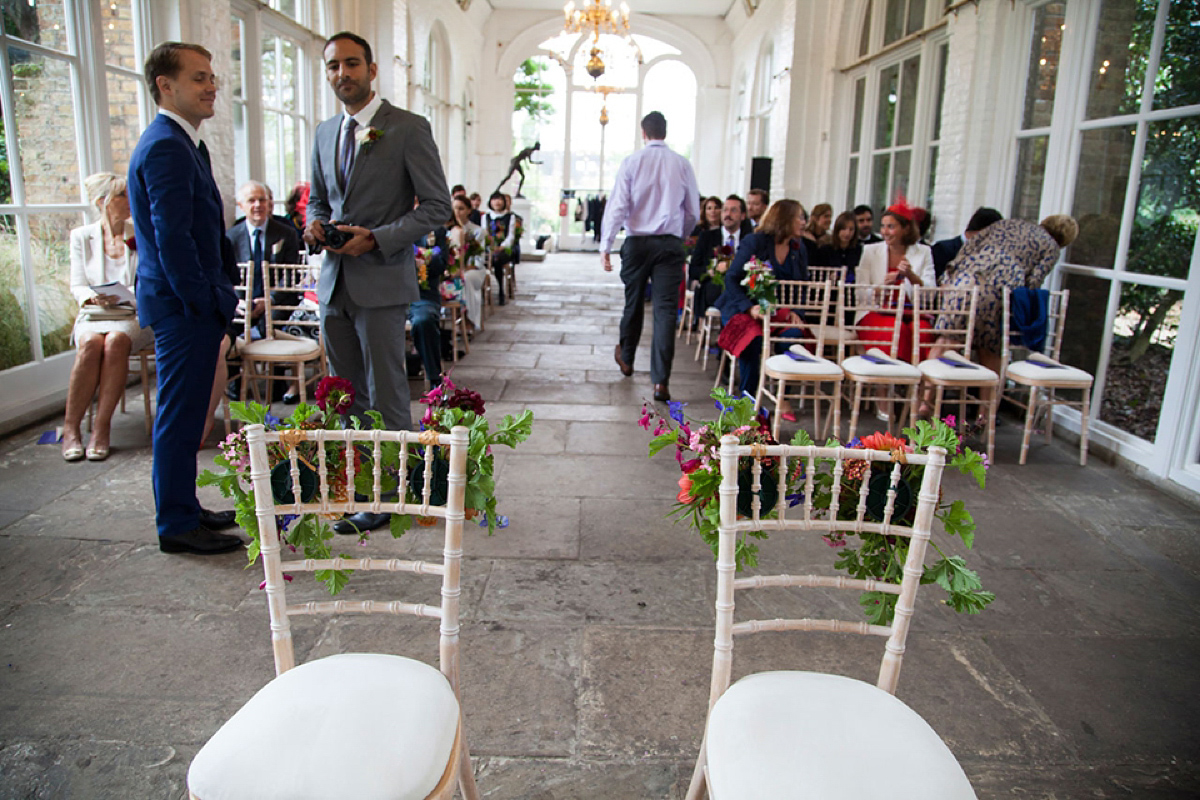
(718, 265)
(759, 284)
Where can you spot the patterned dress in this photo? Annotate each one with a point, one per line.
(1009, 254)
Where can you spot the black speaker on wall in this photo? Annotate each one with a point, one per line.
(760, 173)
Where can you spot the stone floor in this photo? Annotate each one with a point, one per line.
(588, 621)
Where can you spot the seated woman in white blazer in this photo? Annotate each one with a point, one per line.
(103, 337)
(899, 259)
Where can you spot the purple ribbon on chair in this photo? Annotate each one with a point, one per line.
(956, 363)
(1044, 362)
(876, 359)
(801, 357)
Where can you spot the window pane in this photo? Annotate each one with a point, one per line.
(852, 182)
(901, 168)
(287, 76)
(916, 16)
(893, 23)
(1100, 194)
(1119, 66)
(7, 155)
(885, 118)
(15, 348)
(1176, 84)
(50, 240)
(1084, 329)
(45, 112)
(1164, 230)
(879, 176)
(287, 7)
(116, 21)
(38, 21)
(237, 67)
(1042, 75)
(124, 120)
(860, 95)
(933, 157)
(272, 151)
(1031, 175)
(864, 38)
(270, 72)
(1143, 343)
(940, 92)
(908, 100)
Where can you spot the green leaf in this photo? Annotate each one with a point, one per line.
(801, 439)
(400, 524)
(376, 419)
(880, 607)
(663, 441)
(250, 413)
(959, 522)
(968, 462)
(334, 579)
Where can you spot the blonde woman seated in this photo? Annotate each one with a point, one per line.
(106, 330)
(461, 232)
(900, 259)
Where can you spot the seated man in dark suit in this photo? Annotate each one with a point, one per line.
(259, 237)
(945, 250)
(735, 225)
(864, 218)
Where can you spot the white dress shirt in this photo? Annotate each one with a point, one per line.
(363, 118)
(655, 194)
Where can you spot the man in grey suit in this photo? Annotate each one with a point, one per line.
(370, 166)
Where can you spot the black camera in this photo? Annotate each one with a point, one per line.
(335, 238)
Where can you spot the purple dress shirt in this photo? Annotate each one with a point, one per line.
(655, 194)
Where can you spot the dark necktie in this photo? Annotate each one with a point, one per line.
(348, 151)
(257, 256)
(729, 242)
(205, 156)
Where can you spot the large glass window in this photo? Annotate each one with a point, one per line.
(126, 88)
(1041, 81)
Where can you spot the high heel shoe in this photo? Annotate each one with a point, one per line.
(73, 453)
(97, 453)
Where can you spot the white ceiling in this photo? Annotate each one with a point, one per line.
(698, 8)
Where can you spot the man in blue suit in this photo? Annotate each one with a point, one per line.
(183, 291)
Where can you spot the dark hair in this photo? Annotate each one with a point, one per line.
(462, 198)
(983, 217)
(924, 222)
(351, 37)
(863, 209)
(761, 194)
(844, 220)
(704, 201)
(741, 202)
(164, 61)
(654, 125)
(457, 188)
(909, 235)
(779, 221)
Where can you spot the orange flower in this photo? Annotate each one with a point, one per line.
(881, 440)
(685, 488)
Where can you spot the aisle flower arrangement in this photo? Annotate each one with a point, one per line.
(718, 265)
(448, 406)
(696, 445)
(759, 284)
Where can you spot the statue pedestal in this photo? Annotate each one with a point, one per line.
(524, 209)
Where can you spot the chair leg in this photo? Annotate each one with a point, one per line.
(1083, 426)
(698, 787)
(835, 400)
(1049, 404)
(992, 407)
(145, 370)
(850, 432)
(1030, 409)
(466, 775)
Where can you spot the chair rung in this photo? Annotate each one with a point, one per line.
(827, 625)
(379, 564)
(365, 607)
(815, 581)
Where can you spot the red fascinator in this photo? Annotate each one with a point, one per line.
(901, 208)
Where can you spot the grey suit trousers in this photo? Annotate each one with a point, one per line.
(366, 347)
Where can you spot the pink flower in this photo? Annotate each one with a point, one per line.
(950, 420)
(286, 577)
(685, 488)
(691, 466)
(645, 420)
(660, 428)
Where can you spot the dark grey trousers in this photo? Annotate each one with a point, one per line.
(660, 260)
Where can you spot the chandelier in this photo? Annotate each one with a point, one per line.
(597, 17)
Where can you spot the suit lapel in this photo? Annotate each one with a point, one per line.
(379, 122)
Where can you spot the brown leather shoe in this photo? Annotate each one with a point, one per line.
(626, 369)
(661, 393)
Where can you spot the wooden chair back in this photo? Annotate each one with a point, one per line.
(289, 279)
(835, 275)
(811, 300)
(1056, 321)
(776, 463)
(334, 494)
(951, 309)
(858, 334)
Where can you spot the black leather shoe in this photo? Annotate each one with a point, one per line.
(199, 541)
(361, 522)
(291, 399)
(626, 369)
(217, 520)
(661, 393)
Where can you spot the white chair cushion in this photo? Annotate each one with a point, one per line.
(783, 363)
(1037, 369)
(894, 368)
(969, 372)
(282, 348)
(359, 725)
(810, 736)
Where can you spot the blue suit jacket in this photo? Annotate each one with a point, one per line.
(179, 224)
(794, 268)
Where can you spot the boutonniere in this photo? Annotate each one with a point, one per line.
(275, 248)
(131, 243)
(367, 136)
(795, 244)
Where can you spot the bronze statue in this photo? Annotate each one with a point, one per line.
(514, 166)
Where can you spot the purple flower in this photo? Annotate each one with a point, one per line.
(284, 521)
(722, 408)
(795, 499)
(676, 407)
(271, 421)
(501, 521)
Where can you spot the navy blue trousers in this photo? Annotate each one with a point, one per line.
(186, 354)
(426, 319)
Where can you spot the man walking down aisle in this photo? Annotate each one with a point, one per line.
(657, 200)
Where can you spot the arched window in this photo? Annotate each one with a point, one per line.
(764, 99)
(895, 118)
(435, 86)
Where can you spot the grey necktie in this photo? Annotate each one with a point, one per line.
(348, 151)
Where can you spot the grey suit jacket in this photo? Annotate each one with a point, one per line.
(401, 166)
